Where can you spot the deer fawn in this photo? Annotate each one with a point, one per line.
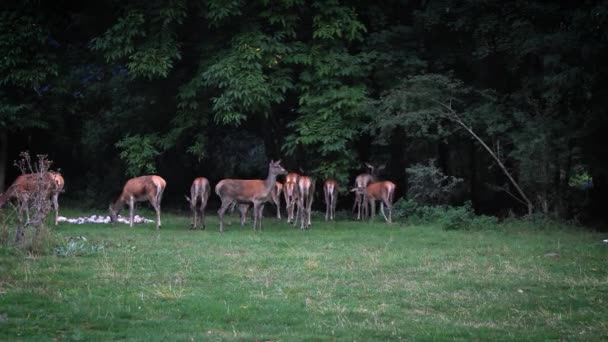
(200, 189)
(378, 191)
(254, 191)
(330, 190)
(140, 189)
(243, 208)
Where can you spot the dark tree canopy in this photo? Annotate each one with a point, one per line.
(504, 95)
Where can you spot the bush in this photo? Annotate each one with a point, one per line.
(448, 217)
(428, 185)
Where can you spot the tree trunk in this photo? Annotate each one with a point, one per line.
(3, 156)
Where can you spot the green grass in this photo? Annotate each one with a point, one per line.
(339, 281)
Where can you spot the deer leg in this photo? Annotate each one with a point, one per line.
(203, 205)
(221, 211)
(382, 210)
(27, 211)
(131, 204)
(372, 204)
(56, 206)
(261, 216)
(256, 209)
(334, 202)
(327, 206)
(303, 213)
(193, 223)
(309, 209)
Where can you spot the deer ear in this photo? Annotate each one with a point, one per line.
(278, 162)
(381, 167)
(369, 165)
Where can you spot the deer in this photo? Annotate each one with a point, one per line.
(290, 192)
(243, 208)
(140, 189)
(378, 191)
(200, 189)
(255, 191)
(306, 191)
(330, 190)
(25, 184)
(362, 181)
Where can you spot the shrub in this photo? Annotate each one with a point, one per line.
(448, 217)
(428, 185)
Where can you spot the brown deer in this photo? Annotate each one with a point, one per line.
(290, 192)
(306, 191)
(140, 189)
(27, 183)
(378, 191)
(200, 189)
(362, 181)
(243, 208)
(255, 191)
(330, 190)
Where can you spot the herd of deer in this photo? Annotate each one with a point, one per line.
(298, 191)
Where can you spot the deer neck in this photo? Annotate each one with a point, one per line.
(118, 204)
(270, 181)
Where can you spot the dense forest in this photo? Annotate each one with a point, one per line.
(510, 98)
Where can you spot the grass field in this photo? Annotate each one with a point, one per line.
(339, 281)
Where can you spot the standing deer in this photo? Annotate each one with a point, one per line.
(362, 181)
(243, 208)
(306, 191)
(290, 191)
(378, 191)
(330, 190)
(140, 189)
(254, 191)
(27, 183)
(200, 189)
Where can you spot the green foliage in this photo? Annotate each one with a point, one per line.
(428, 185)
(139, 152)
(219, 10)
(26, 61)
(336, 22)
(150, 50)
(248, 77)
(447, 217)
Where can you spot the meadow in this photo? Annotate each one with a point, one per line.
(344, 280)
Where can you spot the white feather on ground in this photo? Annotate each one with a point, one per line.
(102, 219)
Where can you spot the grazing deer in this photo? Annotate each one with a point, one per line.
(306, 191)
(330, 190)
(254, 191)
(290, 192)
(200, 189)
(362, 181)
(27, 183)
(378, 191)
(140, 189)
